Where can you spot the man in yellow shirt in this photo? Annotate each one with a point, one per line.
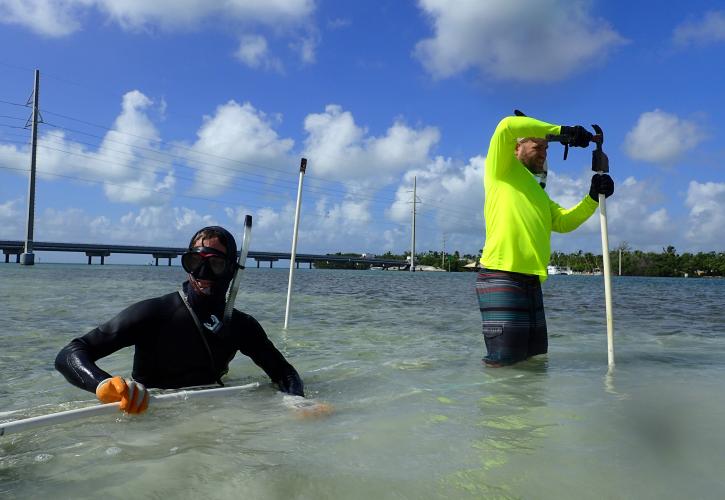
(520, 217)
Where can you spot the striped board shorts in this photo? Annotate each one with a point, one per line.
(512, 313)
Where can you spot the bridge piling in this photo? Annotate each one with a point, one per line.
(98, 253)
(164, 255)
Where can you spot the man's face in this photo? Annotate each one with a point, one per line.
(532, 153)
(205, 286)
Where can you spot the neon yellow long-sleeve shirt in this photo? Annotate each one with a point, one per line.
(519, 215)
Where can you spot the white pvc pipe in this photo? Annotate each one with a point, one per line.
(234, 288)
(607, 280)
(412, 239)
(303, 167)
(110, 408)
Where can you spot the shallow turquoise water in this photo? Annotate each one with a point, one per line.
(398, 355)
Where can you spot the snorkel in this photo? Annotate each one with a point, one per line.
(229, 307)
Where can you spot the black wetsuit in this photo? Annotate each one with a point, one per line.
(170, 351)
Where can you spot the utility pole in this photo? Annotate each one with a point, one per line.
(27, 257)
(412, 244)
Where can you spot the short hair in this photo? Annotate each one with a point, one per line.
(224, 236)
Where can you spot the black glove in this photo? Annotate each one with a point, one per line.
(578, 135)
(601, 183)
(291, 383)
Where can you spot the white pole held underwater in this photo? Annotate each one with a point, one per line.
(600, 164)
(607, 280)
(303, 167)
(26, 424)
(412, 240)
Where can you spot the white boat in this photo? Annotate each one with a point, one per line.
(552, 270)
(428, 268)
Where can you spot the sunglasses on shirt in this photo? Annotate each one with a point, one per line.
(215, 263)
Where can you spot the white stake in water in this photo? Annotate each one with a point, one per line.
(303, 167)
(607, 280)
(600, 164)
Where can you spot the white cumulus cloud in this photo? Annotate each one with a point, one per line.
(237, 134)
(706, 228)
(635, 214)
(342, 225)
(254, 52)
(46, 17)
(306, 46)
(709, 29)
(339, 149)
(184, 13)
(661, 137)
(15, 158)
(451, 203)
(57, 18)
(12, 219)
(128, 162)
(162, 226)
(519, 40)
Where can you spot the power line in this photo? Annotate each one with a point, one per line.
(211, 155)
(237, 184)
(13, 118)
(138, 188)
(271, 186)
(134, 188)
(13, 103)
(465, 211)
(161, 153)
(106, 161)
(313, 188)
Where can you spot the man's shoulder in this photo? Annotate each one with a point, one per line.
(244, 318)
(247, 325)
(157, 304)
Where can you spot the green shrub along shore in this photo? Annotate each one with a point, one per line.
(667, 263)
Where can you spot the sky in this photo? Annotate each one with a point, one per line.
(161, 117)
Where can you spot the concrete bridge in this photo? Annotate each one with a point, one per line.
(101, 250)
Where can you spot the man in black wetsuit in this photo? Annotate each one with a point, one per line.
(179, 338)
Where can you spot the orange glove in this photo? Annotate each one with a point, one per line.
(133, 396)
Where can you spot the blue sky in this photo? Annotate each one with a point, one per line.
(161, 117)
